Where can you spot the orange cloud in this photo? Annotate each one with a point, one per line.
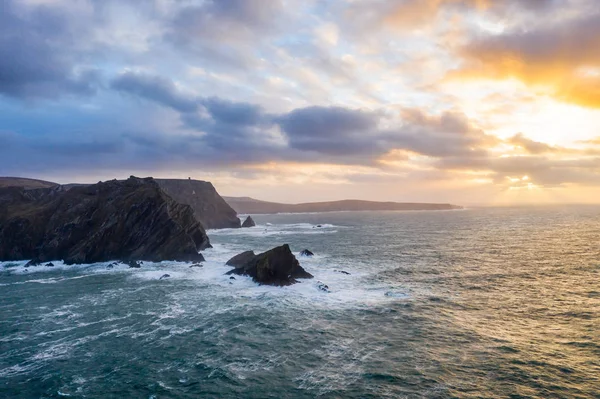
(563, 60)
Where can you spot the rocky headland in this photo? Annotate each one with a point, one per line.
(132, 219)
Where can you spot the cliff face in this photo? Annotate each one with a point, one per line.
(209, 207)
(127, 220)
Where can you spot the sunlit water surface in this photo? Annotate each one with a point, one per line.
(480, 303)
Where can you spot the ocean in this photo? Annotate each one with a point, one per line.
(476, 303)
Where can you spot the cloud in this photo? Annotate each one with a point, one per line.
(331, 130)
(563, 58)
(38, 55)
(532, 146)
(154, 88)
(422, 14)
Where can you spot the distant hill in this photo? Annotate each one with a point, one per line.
(249, 205)
(24, 182)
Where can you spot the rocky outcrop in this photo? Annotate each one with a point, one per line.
(306, 252)
(277, 266)
(249, 222)
(127, 220)
(209, 207)
(240, 260)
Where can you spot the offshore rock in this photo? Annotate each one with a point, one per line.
(277, 266)
(249, 222)
(241, 260)
(306, 252)
(129, 220)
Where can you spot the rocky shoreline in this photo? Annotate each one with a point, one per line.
(128, 221)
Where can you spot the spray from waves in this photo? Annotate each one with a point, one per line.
(354, 287)
(268, 229)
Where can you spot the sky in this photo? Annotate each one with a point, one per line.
(464, 101)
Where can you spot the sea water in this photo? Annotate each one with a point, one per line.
(477, 303)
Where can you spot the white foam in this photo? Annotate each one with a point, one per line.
(270, 229)
(358, 288)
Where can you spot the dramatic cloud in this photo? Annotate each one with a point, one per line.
(154, 88)
(564, 57)
(378, 98)
(38, 54)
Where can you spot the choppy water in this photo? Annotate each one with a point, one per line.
(482, 303)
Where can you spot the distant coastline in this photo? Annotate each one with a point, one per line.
(247, 205)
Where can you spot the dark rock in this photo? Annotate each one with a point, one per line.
(164, 276)
(112, 265)
(277, 266)
(249, 222)
(342, 271)
(242, 259)
(323, 287)
(196, 265)
(232, 278)
(319, 225)
(133, 263)
(131, 220)
(209, 207)
(49, 264)
(33, 262)
(306, 252)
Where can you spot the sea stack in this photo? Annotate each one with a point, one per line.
(249, 222)
(277, 266)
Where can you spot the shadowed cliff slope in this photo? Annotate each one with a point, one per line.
(209, 207)
(131, 219)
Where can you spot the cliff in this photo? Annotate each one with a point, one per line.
(209, 207)
(128, 220)
(250, 205)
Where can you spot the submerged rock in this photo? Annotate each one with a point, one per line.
(242, 259)
(164, 276)
(232, 278)
(249, 222)
(131, 220)
(323, 287)
(306, 252)
(133, 263)
(196, 265)
(277, 266)
(342, 271)
(49, 264)
(33, 262)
